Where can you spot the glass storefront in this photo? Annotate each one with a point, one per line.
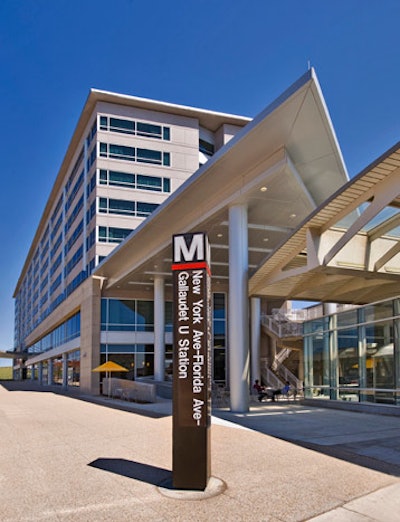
(133, 315)
(219, 362)
(73, 377)
(127, 315)
(138, 359)
(355, 355)
(57, 371)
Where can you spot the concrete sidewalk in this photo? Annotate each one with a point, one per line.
(67, 459)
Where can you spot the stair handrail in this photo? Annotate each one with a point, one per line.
(281, 326)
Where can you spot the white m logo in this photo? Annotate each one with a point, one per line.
(190, 247)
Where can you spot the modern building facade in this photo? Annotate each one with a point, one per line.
(96, 284)
(354, 355)
(126, 157)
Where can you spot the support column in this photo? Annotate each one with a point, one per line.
(159, 329)
(329, 308)
(255, 304)
(65, 370)
(90, 334)
(40, 373)
(238, 317)
(50, 372)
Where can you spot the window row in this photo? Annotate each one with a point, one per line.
(92, 133)
(138, 128)
(131, 315)
(124, 207)
(113, 234)
(138, 181)
(60, 335)
(122, 152)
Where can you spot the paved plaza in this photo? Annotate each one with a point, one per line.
(64, 457)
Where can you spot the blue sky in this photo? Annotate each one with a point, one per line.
(226, 55)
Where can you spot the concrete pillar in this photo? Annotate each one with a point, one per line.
(238, 316)
(40, 373)
(301, 366)
(65, 370)
(329, 308)
(50, 372)
(159, 329)
(255, 314)
(90, 335)
(32, 372)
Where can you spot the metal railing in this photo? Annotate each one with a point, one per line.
(282, 327)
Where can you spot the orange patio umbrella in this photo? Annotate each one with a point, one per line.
(109, 367)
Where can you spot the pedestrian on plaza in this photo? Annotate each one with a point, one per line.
(260, 390)
(281, 391)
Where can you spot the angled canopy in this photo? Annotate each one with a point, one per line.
(109, 366)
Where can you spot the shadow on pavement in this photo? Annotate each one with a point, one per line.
(135, 470)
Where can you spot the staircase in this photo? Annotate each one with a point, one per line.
(288, 336)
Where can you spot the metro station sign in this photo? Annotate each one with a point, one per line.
(192, 361)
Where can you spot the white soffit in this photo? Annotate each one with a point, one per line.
(297, 269)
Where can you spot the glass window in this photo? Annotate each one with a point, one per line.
(121, 178)
(219, 365)
(74, 368)
(166, 159)
(378, 311)
(121, 313)
(103, 150)
(144, 364)
(145, 209)
(121, 152)
(103, 123)
(166, 185)
(148, 129)
(113, 234)
(103, 234)
(103, 177)
(124, 126)
(348, 363)
(166, 133)
(168, 317)
(145, 316)
(103, 204)
(149, 182)
(206, 147)
(347, 318)
(380, 361)
(219, 306)
(104, 313)
(148, 156)
(120, 206)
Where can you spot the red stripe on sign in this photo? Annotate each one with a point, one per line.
(192, 266)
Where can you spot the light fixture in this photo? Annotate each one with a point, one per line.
(263, 189)
(266, 239)
(293, 216)
(219, 235)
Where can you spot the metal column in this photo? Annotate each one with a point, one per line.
(159, 329)
(238, 316)
(255, 304)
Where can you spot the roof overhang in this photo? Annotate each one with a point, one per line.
(357, 264)
(290, 151)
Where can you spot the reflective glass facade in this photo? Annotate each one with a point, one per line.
(355, 355)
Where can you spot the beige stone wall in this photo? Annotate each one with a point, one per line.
(90, 335)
